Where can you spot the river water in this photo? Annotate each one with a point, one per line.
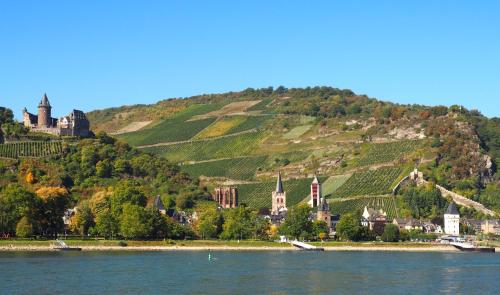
(287, 272)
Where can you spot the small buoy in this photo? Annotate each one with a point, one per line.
(209, 257)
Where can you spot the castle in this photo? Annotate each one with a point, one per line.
(74, 124)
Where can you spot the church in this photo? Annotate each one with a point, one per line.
(74, 124)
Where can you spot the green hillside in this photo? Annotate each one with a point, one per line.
(363, 146)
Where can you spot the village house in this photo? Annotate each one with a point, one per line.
(408, 224)
(491, 227)
(431, 228)
(158, 205)
(375, 220)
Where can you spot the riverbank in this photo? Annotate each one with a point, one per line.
(106, 245)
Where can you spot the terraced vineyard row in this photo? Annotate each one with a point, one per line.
(258, 195)
(372, 182)
(386, 203)
(176, 128)
(226, 147)
(237, 168)
(250, 123)
(30, 149)
(387, 152)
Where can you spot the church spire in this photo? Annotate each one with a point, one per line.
(279, 184)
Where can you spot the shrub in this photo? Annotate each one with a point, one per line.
(24, 228)
(391, 233)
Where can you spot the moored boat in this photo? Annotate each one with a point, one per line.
(468, 247)
(62, 246)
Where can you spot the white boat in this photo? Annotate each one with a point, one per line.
(62, 246)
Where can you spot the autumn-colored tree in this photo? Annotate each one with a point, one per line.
(55, 201)
(30, 178)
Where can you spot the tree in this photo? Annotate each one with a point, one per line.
(159, 223)
(15, 203)
(106, 224)
(83, 220)
(24, 228)
(127, 192)
(134, 222)
(55, 201)
(210, 224)
(297, 223)
(104, 168)
(349, 227)
(391, 233)
(320, 229)
(237, 224)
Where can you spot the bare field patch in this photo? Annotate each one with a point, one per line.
(234, 108)
(134, 126)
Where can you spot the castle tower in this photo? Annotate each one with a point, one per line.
(324, 212)
(278, 198)
(315, 192)
(452, 220)
(44, 112)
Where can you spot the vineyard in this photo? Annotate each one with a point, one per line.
(225, 147)
(262, 105)
(220, 127)
(237, 168)
(258, 195)
(386, 203)
(387, 152)
(372, 182)
(30, 149)
(250, 123)
(176, 128)
(333, 183)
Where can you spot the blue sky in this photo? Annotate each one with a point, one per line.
(96, 54)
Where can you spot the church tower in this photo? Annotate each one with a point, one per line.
(315, 192)
(278, 198)
(44, 112)
(324, 212)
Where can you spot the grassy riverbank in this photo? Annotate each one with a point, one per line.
(116, 245)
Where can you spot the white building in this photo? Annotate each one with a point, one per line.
(452, 220)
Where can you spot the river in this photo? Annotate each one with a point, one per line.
(247, 272)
